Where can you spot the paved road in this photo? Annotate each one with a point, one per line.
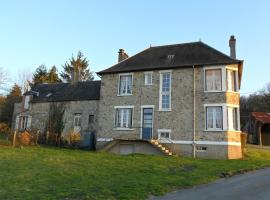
(253, 185)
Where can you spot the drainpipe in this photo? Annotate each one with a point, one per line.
(194, 124)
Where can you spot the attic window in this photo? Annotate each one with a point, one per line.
(170, 58)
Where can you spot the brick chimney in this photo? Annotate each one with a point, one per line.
(122, 55)
(232, 43)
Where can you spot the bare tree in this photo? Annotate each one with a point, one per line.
(24, 78)
(3, 80)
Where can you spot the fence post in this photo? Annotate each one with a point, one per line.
(14, 138)
(37, 137)
(47, 137)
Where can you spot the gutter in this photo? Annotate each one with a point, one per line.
(194, 116)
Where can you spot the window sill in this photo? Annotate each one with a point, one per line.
(218, 130)
(213, 91)
(165, 110)
(232, 130)
(122, 95)
(123, 129)
(214, 130)
(230, 91)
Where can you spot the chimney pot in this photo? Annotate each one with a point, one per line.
(232, 45)
(122, 55)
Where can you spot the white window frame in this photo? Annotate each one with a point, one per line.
(164, 131)
(75, 116)
(162, 93)
(236, 79)
(145, 79)
(132, 114)
(223, 78)
(237, 117)
(119, 83)
(224, 116)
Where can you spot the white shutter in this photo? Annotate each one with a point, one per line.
(29, 122)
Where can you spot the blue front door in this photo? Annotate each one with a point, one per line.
(147, 123)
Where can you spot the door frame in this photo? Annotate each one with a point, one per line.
(142, 107)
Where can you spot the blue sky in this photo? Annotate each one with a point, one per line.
(49, 32)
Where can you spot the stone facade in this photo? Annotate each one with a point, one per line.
(39, 113)
(179, 120)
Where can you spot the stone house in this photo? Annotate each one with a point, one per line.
(80, 107)
(174, 99)
(183, 97)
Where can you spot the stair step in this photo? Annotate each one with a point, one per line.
(170, 154)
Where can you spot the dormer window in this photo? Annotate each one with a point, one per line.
(170, 59)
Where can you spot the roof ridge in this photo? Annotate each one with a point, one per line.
(179, 44)
(123, 60)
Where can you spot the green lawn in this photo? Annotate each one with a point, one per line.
(52, 173)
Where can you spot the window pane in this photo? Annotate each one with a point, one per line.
(166, 79)
(231, 76)
(209, 81)
(148, 78)
(213, 80)
(218, 117)
(165, 101)
(125, 86)
(123, 118)
(209, 117)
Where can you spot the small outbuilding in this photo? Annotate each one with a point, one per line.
(258, 128)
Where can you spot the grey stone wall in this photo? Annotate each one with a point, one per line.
(179, 120)
(40, 114)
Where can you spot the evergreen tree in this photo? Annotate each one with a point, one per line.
(14, 96)
(39, 76)
(52, 76)
(78, 67)
(42, 75)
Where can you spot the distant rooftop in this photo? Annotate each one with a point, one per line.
(57, 92)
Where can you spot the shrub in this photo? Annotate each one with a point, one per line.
(4, 129)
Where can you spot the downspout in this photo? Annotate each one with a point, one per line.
(194, 117)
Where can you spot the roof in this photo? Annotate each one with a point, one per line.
(57, 92)
(184, 55)
(261, 116)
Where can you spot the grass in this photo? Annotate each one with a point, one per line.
(52, 173)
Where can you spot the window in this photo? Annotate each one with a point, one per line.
(91, 119)
(123, 118)
(26, 102)
(214, 118)
(148, 78)
(231, 80)
(77, 120)
(23, 122)
(165, 91)
(201, 148)
(125, 85)
(213, 80)
(164, 133)
(232, 118)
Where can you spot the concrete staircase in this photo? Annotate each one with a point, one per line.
(165, 150)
